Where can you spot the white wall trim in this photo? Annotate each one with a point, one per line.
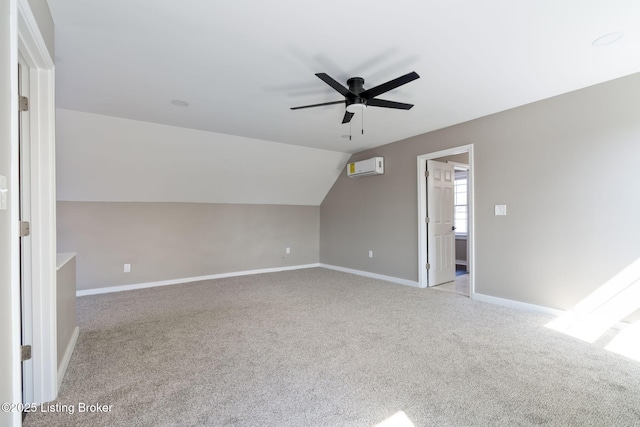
(11, 61)
(517, 304)
(397, 280)
(32, 47)
(422, 213)
(62, 369)
(110, 289)
(533, 308)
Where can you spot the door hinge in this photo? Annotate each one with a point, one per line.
(24, 104)
(427, 266)
(25, 228)
(25, 353)
(426, 219)
(426, 173)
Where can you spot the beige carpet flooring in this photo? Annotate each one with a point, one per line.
(317, 347)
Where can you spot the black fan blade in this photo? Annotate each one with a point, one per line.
(391, 84)
(334, 84)
(318, 105)
(388, 104)
(347, 117)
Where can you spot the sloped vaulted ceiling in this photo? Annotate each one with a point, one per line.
(102, 158)
(240, 65)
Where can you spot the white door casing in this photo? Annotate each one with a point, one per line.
(24, 160)
(422, 212)
(42, 199)
(440, 225)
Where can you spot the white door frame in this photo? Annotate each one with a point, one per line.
(422, 214)
(24, 160)
(32, 48)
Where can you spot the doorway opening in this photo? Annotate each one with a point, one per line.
(446, 240)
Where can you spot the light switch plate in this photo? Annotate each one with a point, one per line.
(501, 210)
(4, 193)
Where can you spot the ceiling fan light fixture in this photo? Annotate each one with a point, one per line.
(607, 39)
(356, 108)
(179, 103)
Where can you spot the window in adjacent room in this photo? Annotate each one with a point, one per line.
(460, 198)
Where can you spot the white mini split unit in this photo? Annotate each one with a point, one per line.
(372, 166)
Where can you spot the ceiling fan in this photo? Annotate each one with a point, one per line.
(357, 98)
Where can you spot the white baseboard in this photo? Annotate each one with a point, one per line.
(132, 287)
(534, 308)
(372, 275)
(62, 368)
(475, 296)
(517, 304)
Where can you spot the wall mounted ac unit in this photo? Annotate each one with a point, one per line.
(372, 166)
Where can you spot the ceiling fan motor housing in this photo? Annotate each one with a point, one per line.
(355, 86)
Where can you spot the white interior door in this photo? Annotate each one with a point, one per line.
(440, 223)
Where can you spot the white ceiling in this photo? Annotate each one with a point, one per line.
(242, 64)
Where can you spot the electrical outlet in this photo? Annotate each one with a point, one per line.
(370, 254)
(500, 209)
(127, 268)
(287, 251)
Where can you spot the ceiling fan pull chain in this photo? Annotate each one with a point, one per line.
(350, 131)
(362, 122)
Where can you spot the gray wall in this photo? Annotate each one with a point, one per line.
(65, 304)
(164, 241)
(566, 168)
(42, 14)
(461, 249)
(458, 158)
